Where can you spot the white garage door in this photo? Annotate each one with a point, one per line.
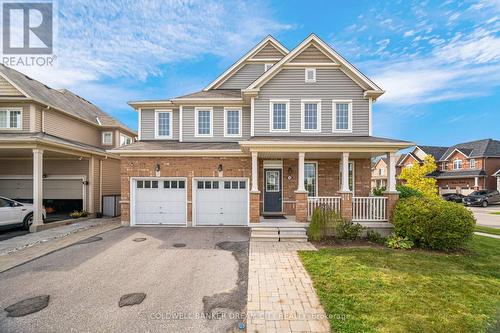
(221, 202)
(161, 201)
(52, 188)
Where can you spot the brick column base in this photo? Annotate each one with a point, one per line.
(392, 199)
(255, 207)
(346, 205)
(301, 206)
(125, 213)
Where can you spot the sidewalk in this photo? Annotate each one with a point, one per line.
(486, 235)
(18, 250)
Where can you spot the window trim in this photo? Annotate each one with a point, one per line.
(126, 137)
(315, 176)
(240, 128)
(472, 165)
(20, 123)
(334, 115)
(196, 112)
(267, 66)
(461, 164)
(103, 142)
(313, 80)
(271, 115)
(157, 112)
(302, 115)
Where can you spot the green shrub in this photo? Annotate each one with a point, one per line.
(398, 242)
(375, 237)
(407, 192)
(433, 223)
(326, 223)
(348, 230)
(75, 214)
(84, 213)
(379, 191)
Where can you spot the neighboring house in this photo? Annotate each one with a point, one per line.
(277, 133)
(462, 168)
(53, 147)
(497, 175)
(379, 173)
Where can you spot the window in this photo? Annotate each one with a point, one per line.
(311, 116)
(351, 176)
(279, 116)
(163, 124)
(381, 171)
(310, 75)
(267, 66)
(342, 116)
(272, 181)
(125, 140)
(232, 122)
(107, 138)
(203, 122)
(207, 185)
(472, 163)
(11, 119)
(311, 178)
(457, 164)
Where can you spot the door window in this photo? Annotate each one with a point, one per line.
(272, 181)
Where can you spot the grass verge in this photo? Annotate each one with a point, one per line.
(487, 230)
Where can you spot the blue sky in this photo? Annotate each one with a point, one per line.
(439, 61)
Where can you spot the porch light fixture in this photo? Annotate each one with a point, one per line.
(85, 182)
(219, 168)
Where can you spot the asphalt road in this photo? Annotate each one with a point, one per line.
(85, 283)
(485, 218)
(9, 232)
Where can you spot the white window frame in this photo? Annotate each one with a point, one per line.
(306, 79)
(170, 122)
(19, 123)
(271, 115)
(125, 137)
(196, 111)
(456, 164)
(267, 67)
(315, 177)
(103, 141)
(381, 171)
(303, 102)
(240, 127)
(334, 116)
(472, 163)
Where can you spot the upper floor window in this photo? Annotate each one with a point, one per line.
(381, 171)
(443, 166)
(279, 116)
(267, 66)
(163, 124)
(107, 138)
(472, 163)
(203, 121)
(342, 116)
(10, 118)
(310, 75)
(311, 116)
(457, 164)
(232, 122)
(125, 140)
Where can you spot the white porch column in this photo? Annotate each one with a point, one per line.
(345, 173)
(300, 185)
(37, 189)
(476, 183)
(498, 183)
(255, 172)
(391, 173)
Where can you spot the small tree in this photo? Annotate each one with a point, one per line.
(416, 177)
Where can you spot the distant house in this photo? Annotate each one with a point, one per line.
(379, 173)
(462, 168)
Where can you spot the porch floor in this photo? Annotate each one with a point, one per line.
(288, 222)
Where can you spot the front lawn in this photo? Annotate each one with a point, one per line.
(487, 230)
(495, 213)
(383, 290)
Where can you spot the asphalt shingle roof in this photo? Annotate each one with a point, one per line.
(435, 151)
(458, 173)
(214, 93)
(478, 148)
(176, 145)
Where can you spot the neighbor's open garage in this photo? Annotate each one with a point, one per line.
(220, 201)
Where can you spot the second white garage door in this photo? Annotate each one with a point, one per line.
(221, 201)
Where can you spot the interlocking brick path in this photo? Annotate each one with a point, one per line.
(281, 297)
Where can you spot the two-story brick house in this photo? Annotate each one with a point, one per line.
(462, 168)
(276, 134)
(53, 147)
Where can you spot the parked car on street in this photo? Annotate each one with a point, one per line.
(16, 213)
(455, 197)
(482, 198)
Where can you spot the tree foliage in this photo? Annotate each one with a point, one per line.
(417, 179)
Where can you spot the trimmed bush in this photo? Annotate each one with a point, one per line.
(326, 223)
(379, 191)
(407, 192)
(433, 223)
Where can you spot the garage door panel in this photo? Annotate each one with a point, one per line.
(52, 188)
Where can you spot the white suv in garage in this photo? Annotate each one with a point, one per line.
(13, 212)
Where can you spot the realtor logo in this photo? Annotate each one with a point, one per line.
(27, 28)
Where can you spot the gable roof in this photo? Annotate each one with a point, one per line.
(213, 94)
(435, 151)
(371, 89)
(401, 160)
(478, 148)
(62, 100)
(265, 43)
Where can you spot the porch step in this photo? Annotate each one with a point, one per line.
(296, 234)
(265, 234)
(293, 235)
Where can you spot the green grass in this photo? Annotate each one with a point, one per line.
(383, 290)
(487, 230)
(495, 213)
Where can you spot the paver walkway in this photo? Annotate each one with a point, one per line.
(281, 297)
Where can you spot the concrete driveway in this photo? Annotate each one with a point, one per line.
(484, 216)
(182, 284)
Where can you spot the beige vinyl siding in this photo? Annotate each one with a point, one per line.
(188, 123)
(17, 167)
(58, 124)
(38, 117)
(25, 116)
(331, 84)
(110, 177)
(148, 124)
(268, 51)
(7, 89)
(311, 54)
(243, 77)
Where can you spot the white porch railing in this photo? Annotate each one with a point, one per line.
(369, 208)
(332, 203)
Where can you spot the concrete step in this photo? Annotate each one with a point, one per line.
(293, 235)
(265, 234)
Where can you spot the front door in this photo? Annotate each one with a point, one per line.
(272, 190)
